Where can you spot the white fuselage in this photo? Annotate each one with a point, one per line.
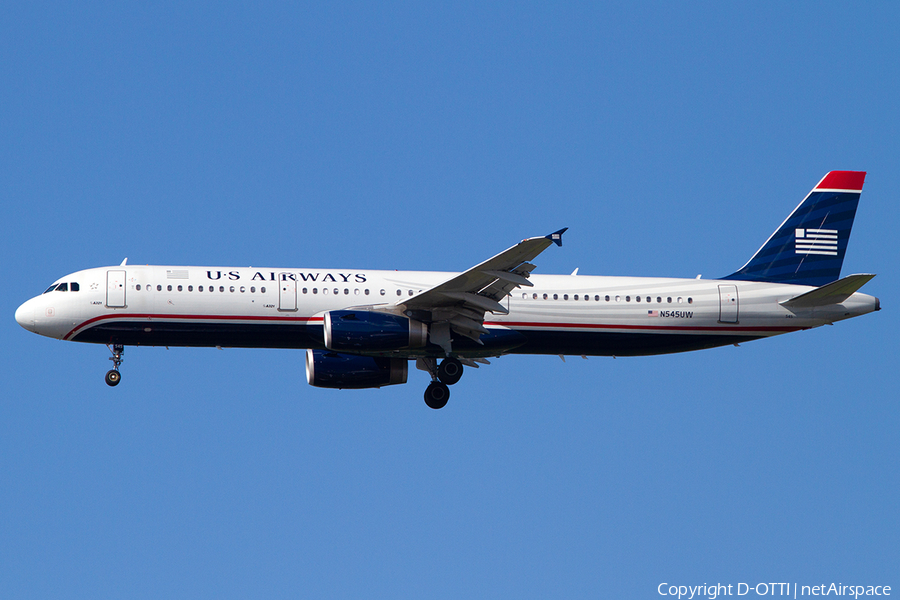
(283, 308)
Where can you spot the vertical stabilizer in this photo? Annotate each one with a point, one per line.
(808, 248)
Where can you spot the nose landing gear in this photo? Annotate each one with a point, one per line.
(113, 377)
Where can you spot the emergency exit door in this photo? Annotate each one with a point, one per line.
(728, 304)
(115, 289)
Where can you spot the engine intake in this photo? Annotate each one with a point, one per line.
(366, 331)
(328, 369)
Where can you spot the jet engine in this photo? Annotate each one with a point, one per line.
(328, 369)
(366, 331)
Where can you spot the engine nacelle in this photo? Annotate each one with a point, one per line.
(328, 369)
(366, 331)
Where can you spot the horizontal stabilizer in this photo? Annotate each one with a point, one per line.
(833, 293)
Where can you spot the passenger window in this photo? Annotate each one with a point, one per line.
(315, 290)
(356, 291)
(545, 296)
(158, 288)
(410, 292)
(690, 300)
(253, 289)
(524, 296)
(680, 300)
(243, 289)
(575, 297)
(534, 296)
(190, 288)
(618, 298)
(324, 290)
(565, 296)
(399, 292)
(637, 298)
(627, 298)
(366, 291)
(658, 299)
(607, 298)
(138, 287)
(382, 292)
(556, 296)
(669, 299)
(74, 287)
(222, 288)
(200, 288)
(169, 288)
(262, 290)
(231, 289)
(180, 288)
(304, 290)
(346, 292)
(336, 291)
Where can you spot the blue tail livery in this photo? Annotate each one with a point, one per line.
(808, 248)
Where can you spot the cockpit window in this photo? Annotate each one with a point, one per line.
(63, 287)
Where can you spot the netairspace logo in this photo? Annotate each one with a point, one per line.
(793, 590)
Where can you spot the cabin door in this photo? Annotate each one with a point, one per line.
(728, 304)
(115, 289)
(287, 292)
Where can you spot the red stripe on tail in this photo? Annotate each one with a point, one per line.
(843, 180)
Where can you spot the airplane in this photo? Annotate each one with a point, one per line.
(361, 328)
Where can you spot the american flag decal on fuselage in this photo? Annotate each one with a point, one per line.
(816, 241)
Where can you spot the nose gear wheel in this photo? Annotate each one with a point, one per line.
(113, 377)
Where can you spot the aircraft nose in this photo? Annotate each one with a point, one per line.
(25, 316)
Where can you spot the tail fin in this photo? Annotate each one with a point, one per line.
(808, 248)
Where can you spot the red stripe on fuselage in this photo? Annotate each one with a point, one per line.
(513, 325)
(509, 324)
(192, 318)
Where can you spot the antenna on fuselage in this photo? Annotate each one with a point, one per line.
(124, 261)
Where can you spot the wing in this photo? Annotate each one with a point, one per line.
(459, 304)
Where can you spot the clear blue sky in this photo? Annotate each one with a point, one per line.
(671, 138)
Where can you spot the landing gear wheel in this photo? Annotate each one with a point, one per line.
(436, 395)
(113, 378)
(450, 371)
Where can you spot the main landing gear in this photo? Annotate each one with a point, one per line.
(443, 376)
(113, 377)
